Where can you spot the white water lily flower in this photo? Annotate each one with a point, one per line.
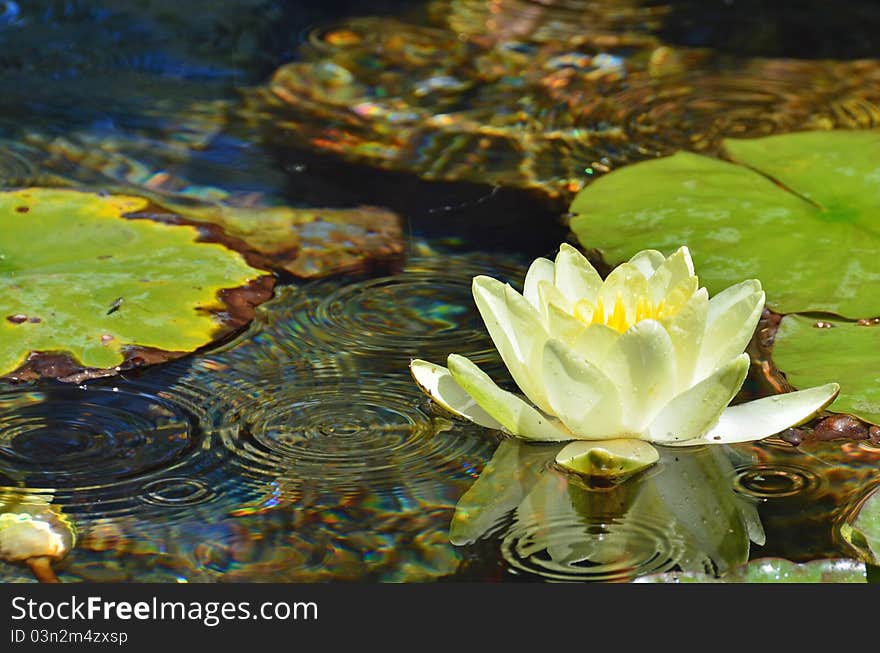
(644, 354)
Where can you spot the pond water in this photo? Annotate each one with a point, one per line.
(300, 450)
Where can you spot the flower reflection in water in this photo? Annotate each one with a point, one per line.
(682, 514)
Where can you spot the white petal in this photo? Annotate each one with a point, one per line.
(675, 269)
(575, 277)
(541, 269)
(591, 343)
(760, 418)
(517, 331)
(514, 414)
(608, 458)
(642, 365)
(693, 413)
(626, 284)
(721, 302)
(437, 383)
(550, 296)
(580, 394)
(730, 324)
(647, 261)
(686, 329)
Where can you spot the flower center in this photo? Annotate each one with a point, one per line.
(623, 313)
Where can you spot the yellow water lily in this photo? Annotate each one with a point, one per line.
(644, 356)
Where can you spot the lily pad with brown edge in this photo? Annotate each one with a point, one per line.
(811, 350)
(86, 292)
(307, 242)
(797, 211)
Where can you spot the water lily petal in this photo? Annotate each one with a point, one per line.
(620, 299)
(590, 343)
(731, 321)
(696, 410)
(562, 325)
(541, 269)
(515, 415)
(580, 394)
(642, 365)
(647, 261)
(608, 458)
(678, 295)
(675, 269)
(549, 295)
(722, 302)
(686, 329)
(516, 328)
(760, 418)
(437, 383)
(575, 277)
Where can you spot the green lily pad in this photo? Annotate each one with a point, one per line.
(800, 214)
(775, 570)
(845, 352)
(861, 528)
(85, 291)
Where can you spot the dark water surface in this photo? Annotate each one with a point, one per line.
(302, 450)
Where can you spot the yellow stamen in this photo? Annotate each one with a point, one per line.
(618, 318)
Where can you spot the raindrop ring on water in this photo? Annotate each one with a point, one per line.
(357, 428)
(427, 310)
(176, 491)
(775, 481)
(67, 437)
(582, 550)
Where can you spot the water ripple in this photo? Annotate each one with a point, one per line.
(558, 21)
(427, 311)
(776, 481)
(591, 549)
(15, 168)
(110, 450)
(695, 109)
(346, 431)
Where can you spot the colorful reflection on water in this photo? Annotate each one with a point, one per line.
(301, 450)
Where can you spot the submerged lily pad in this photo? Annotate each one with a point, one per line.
(799, 214)
(309, 243)
(84, 291)
(813, 351)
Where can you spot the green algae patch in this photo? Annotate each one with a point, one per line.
(811, 351)
(85, 291)
(797, 211)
